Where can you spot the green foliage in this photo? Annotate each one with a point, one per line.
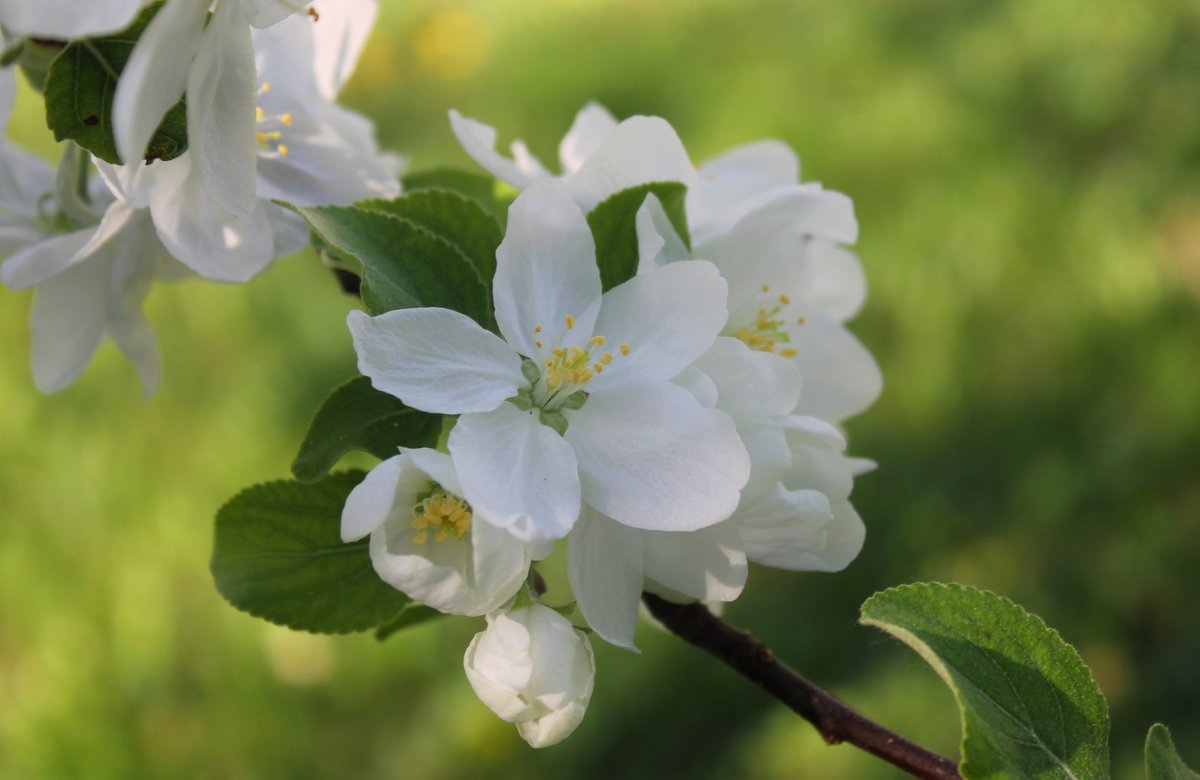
(278, 555)
(403, 265)
(614, 226)
(356, 416)
(79, 92)
(1162, 760)
(1029, 705)
(479, 188)
(452, 217)
(412, 615)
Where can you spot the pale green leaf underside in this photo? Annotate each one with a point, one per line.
(1030, 707)
(1162, 760)
(278, 555)
(614, 226)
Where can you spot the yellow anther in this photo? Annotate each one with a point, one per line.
(447, 515)
(766, 288)
(537, 344)
(266, 86)
(286, 119)
(421, 538)
(597, 340)
(606, 358)
(788, 352)
(598, 368)
(624, 349)
(282, 149)
(765, 332)
(258, 114)
(537, 329)
(570, 322)
(800, 320)
(316, 17)
(549, 364)
(784, 300)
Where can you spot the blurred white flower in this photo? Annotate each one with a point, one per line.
(576, 401)
(533, 668)
(424, 538)
(304, 149)
(92, 257)
(66, 19)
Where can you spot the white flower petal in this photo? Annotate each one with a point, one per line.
(156, 74)
(479, 141)
(638, 151)
(798, 211)
(708, 564)
(67, 19)
(340, 37)
(737, 175)
(221, 90)
(786, 529)
(67, 321)
(770, 459)
(372, 500)
(211, 241)
(651, 457)
(698, 384)
(841, 378)
(605, 571)
(668, 317)
(833, 280)
(751, 386)
(820, 468)
(658, 242)
(516, 473)
(435, 360)
(545, 271)
(528, 163)
(139, 254)
(845, 539)
(37, 263)
(592, 125)
(264, 13)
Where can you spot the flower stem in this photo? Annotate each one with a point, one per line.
(834, 720)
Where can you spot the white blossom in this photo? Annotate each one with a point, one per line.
(575, 402)
(424, 538)
(66, 19)
(533, 668)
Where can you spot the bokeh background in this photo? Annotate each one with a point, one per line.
(1027, 177)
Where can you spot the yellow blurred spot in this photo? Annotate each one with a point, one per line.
(299, 659)
(453, 44)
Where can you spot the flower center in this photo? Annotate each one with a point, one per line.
(268, 128)
(443, 514)
(567, 370)
(767, 331)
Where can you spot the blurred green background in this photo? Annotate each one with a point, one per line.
(1026, 177)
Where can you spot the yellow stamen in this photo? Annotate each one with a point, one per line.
(282, 149)
(624, 349)
(789, 352)
(800, 320)
(766, 288)
(570, 322)
(537, 344)
(597, 341)
(447, 515)
(537, 329)
(784, 300)
(286, 119)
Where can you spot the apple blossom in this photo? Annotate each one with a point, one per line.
(575, 402)
(424, 540)
(533, 668)
(66, 19)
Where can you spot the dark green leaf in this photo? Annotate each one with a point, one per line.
(1162, 760)
(1029, 705)
(481, 189)
(454, 218)
(79, 95)
(278, 555)
(403, 265)
(614, 226)
(412, 615)
(356, 416)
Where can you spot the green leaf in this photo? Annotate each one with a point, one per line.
(403, 265)
(79, 95)
(484, 190)
(412, 615)
(614, 226)
(1029, 705)
(1162, 760)
(454, 218)
(278, 555)
(356, 416)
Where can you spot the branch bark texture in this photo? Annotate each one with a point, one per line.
(834, 720)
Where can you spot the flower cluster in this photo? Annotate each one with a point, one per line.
(261, 78)
(671, 429)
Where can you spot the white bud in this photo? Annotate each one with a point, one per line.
(533, 668)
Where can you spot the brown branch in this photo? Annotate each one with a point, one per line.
(837, 722)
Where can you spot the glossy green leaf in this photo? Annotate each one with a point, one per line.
(356, 416)
(403, 265)
(79, 90)
(1162, 760)
(614, 226)
(452, 217)
(1029, 705)
(484, 190)
(278, 555)
(413, 614)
